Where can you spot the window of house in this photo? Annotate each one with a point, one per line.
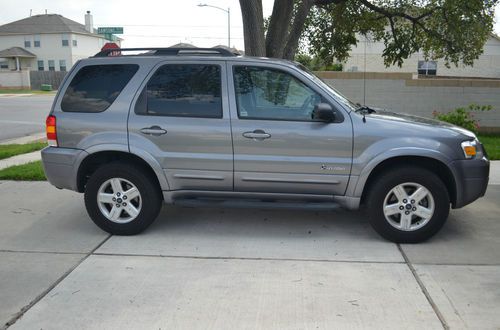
(264, 93)
(75, 43)
(4, 65)
(428, 68)
(65, 40)
(52, 65)
(95, 87)
(40, 65)
(27, 42)
(36, 40)
(62, 65)
(184, 90)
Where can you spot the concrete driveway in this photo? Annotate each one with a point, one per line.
(241, 268)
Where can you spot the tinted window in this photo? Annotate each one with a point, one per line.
(185, 90)
(95, 87)
(263, 93)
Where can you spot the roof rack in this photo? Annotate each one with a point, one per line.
(167, 51)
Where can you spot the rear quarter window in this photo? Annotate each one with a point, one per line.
(95, 87)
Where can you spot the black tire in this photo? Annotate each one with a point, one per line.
(150, 196)
(388, 180)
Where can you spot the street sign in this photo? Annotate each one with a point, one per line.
(110, 30)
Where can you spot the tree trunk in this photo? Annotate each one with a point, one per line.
(277, 31)
(253, 27)
(296, 29)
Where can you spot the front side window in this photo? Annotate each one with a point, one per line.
(52, 65)
(40, 65)
(36, 40)
(185, 90)
(264, 93)
(27, 42)
(95, 87)
(75, 43)
(4, 65)
(65, 40)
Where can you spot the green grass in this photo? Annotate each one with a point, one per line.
(23, 91)
(9, 150)
(492, 145)
(27, 172)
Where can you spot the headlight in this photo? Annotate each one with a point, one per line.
(470, 148)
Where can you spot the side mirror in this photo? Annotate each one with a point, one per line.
(323, 112)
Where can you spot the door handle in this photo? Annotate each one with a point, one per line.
(258, 135)
(153, 130)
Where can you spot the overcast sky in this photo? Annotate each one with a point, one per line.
(151, 23)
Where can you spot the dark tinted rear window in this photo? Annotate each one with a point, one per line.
(185, 90)
(95, 87)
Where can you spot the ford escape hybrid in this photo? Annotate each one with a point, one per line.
(203, 126)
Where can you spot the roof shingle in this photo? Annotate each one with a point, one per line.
(16, 52)
(47, 23)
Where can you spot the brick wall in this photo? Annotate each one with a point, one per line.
(401, 92)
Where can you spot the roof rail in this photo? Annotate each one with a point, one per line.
(168, 51)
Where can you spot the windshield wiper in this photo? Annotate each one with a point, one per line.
(364, 109)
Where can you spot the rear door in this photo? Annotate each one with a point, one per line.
(181, 117)
(278, 147)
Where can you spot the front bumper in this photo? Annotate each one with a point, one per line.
(471, 176)
(60, 166)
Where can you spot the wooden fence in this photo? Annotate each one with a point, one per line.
(53, 78)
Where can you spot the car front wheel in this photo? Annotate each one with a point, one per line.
(408, 205)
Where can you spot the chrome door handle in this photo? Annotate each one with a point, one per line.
(258, 134)
(153, 130)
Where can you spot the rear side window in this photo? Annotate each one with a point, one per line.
(183, 90)
(95, 87)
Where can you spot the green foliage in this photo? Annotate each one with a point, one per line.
(316, 64)
(9, 150)
(463, 117)
(27, 172)
(454, 30)
(492, 145)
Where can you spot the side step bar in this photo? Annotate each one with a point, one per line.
(245, 203)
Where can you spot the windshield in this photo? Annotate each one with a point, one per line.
(338, 96)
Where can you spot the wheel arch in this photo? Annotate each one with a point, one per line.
(93, 160)
(432, 164)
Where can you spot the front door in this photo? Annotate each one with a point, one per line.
(182, 119)
(278, 147)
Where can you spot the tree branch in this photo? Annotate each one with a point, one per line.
(253, 27)
(297, 28)
(277, 31)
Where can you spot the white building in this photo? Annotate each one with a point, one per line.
(367, 56)
(47, 42)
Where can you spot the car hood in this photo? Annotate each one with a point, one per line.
(416, 120)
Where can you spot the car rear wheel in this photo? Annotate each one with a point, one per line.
(408, 205)
(122, 199)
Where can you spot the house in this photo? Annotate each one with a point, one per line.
(48, 42)
(367, 57)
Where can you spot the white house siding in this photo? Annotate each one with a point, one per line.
(87, 46)
(488, 64)
(51, 49)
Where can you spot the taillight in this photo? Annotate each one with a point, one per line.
(50, 128)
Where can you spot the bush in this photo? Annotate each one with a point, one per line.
(463, 117)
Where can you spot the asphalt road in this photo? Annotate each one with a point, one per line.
(23, 115)
(215, 268)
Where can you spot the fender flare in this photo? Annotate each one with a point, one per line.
(399, 152)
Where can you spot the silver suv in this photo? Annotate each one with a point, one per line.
(201, 127)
